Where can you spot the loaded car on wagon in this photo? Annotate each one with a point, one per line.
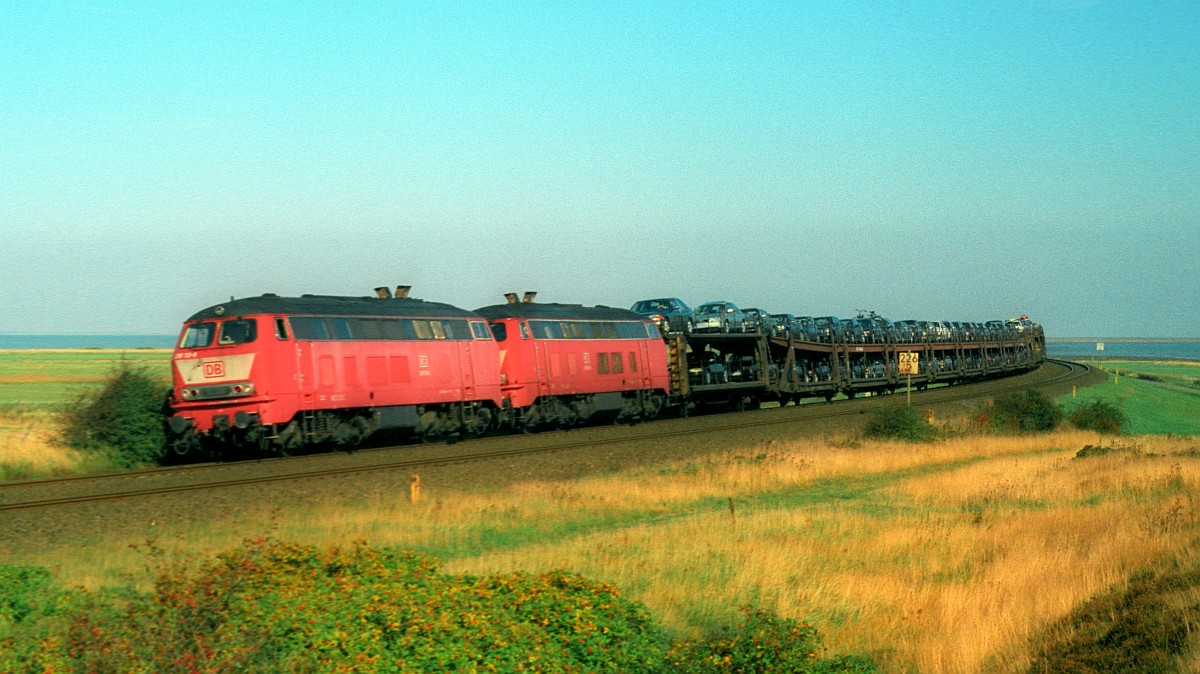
(719, 316)
(670, 314)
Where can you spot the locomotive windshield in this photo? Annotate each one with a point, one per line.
(198, 335)
(238, 331)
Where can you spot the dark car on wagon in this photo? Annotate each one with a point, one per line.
(669, 313)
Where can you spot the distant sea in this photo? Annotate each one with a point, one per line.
(1150, 350)
(87, 341)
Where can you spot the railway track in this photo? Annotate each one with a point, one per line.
(50, 493)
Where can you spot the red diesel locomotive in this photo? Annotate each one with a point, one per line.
(285, 372)
(563, 364)
(281, 373)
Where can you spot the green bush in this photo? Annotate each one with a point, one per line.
(122, 418)
(282, 607)
(271, 606)
(765, 642)
(30, 610)
(900, 422)
(1098, 415)
(26, 593)
(1026, 411)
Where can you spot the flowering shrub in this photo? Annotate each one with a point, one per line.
(279, 607)
(282, 607)
(30, 611)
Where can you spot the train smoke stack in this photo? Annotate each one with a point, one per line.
(529, 295)
(383, 293)
(511, 297)
(402, 291)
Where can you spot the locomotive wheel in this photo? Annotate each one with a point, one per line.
(290, 439)
(477, 422)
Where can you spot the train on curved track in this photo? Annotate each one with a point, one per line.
(282, 374)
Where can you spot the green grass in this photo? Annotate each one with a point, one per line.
(1179, 373)
(45, 380)
(1169, 406)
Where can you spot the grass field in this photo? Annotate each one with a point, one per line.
(955, 556)
(947, 557)
(34, 385)
(36, 380)
(1157, 397)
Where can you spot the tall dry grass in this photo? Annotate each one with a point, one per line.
(946, 557)
(27, 447)
(952, 567)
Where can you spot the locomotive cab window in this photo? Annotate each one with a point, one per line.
(499, 331)
(480, 330)
(238, 331)
(281, 331)
(198, 335)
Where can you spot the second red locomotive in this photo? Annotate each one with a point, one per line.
(563, 364)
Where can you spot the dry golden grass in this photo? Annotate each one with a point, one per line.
(947, 557)
(27, 448)
(950, 571)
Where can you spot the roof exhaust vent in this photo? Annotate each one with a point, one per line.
(383, 293)
(529, 295)
(511, 297)
(402, 291)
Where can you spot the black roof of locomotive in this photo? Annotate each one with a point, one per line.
(574, 312)
(331, 305)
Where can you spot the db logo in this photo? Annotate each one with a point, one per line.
(214, 369)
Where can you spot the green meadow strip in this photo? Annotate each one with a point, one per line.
(857, 494)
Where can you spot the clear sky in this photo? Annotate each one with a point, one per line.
(941, 160)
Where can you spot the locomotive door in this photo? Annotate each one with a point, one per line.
(306, 383)
(638, 370)
(467, 368)
(541, 366)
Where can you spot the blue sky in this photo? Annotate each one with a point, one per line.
(940, 160)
